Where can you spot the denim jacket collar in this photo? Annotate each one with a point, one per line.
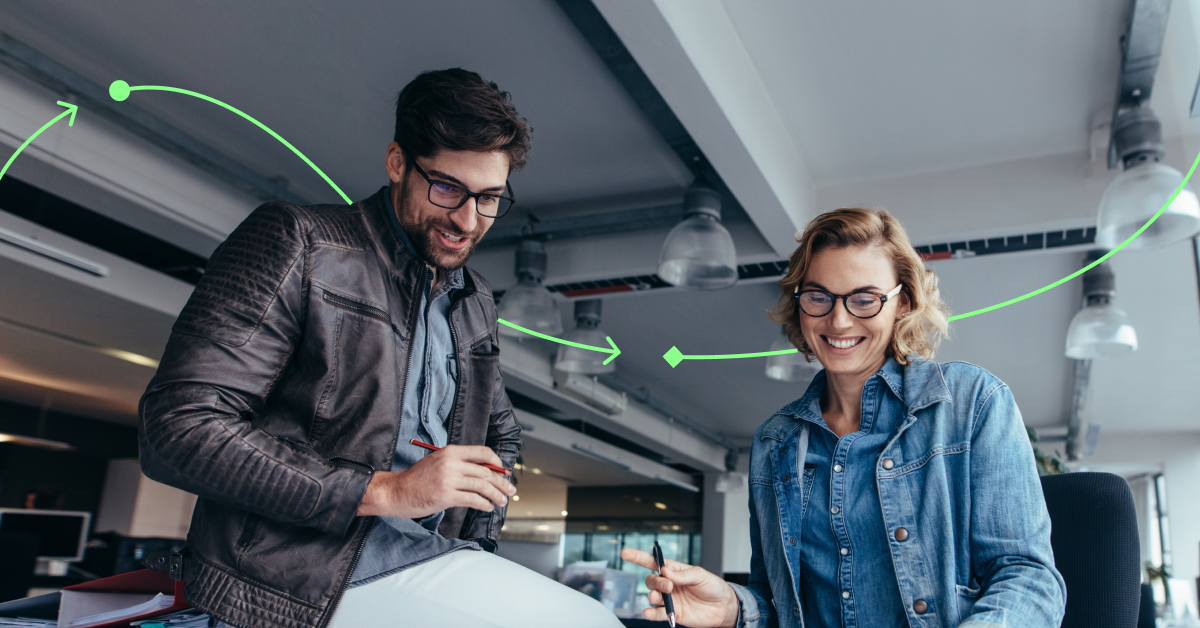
(921, 379)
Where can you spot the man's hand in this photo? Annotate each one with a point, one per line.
(454, 476)
(700, 598)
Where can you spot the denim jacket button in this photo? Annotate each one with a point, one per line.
(837, 468)
(835, 510)
(920, 606)
(845, 550)
(888, 463)
(791, 540)
(901, 534)
(787, 477)
(845, 595)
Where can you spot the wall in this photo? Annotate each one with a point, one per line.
(134, 505)
(1177, 455)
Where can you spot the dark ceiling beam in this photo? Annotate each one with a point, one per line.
(94, 97)
(606, 43)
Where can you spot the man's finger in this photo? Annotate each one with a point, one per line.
(475, 453)
(658, 583)
(472, 500)
(655, 613)
(485, 489)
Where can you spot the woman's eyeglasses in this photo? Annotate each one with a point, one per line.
(859, 304)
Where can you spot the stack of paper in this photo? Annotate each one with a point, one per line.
(185, 619)
(26, 622)
(157, 603)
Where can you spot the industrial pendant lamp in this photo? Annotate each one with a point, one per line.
(1100, 330)
(586, 332)
(699, 251)
(529, 304)
(1138, 193)
(789, 367)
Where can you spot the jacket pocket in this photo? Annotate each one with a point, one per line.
(359, 307)
(966, 598)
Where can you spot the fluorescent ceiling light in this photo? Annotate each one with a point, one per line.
(52, 252)
(30, 441)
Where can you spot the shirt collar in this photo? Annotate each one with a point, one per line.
(808, 407)
(454, 280)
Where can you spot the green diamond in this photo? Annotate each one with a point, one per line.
(673, 357)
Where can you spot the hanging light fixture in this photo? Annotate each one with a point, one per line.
(586, 332)
(1100, 330)
(789, 367)
(1138, 193)
(699, 251)
(529, 304)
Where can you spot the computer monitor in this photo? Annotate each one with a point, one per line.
(63, 533)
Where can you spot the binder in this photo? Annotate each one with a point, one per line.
(120, 591)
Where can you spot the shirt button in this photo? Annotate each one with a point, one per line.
(844, 551)
(845, 595)
(835, 510)
(888, 463)
(920, 606)
(901, 534)
(837, 468)
(787, 477)
(791, 540)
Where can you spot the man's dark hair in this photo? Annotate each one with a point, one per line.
(456, 109)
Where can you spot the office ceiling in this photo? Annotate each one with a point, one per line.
(886, 106)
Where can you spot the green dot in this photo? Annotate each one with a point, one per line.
(119, 90)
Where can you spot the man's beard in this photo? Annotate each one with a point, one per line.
(424, 240)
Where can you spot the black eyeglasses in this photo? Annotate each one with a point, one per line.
(450, 196)
(859, 304)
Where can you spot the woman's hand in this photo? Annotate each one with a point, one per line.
(701, 599)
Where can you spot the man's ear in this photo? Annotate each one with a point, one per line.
(394, 162)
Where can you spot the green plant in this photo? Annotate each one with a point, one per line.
(1161, 574)
(1046, 465)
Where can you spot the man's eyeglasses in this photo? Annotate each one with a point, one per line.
(450, 196)
(859, 304)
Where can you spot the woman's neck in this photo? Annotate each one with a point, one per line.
(841, 403)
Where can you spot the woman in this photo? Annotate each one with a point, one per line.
(897, 491)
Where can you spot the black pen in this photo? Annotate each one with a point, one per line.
(660, 561)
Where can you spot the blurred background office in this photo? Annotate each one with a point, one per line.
(678, 147)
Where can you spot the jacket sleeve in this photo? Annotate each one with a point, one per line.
(504, 437)
(756, 597)
(226, 351)
(1011, 554)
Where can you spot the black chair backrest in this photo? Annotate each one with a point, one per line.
(18, 557)
(1096, 548)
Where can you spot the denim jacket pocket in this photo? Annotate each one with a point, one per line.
(966, 598)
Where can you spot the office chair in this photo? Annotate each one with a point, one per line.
(1096, 548)
(18, 557)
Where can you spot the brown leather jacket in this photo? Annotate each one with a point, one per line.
(279, 395)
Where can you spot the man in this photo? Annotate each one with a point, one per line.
(320, 344)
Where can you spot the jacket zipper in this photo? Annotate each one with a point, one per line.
(370, 311)
(373, 312)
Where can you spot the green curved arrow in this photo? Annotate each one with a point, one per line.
(71, 110)
(614, 350)
(120, 90)
(674, 356)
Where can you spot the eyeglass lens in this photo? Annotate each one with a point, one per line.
(452, 197)
(861, 304)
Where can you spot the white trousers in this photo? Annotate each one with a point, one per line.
(472, 589)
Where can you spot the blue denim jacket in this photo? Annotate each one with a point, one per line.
(963, 483)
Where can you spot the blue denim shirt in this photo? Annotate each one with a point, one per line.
(846, 575)
(957, 473)
(393, 543)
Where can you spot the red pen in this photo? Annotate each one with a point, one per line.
(436, 448)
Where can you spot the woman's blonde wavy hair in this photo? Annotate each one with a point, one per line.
(917, 332)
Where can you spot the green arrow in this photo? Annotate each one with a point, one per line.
(614, 350)
(674, 356)
(120, 90)
(71, 109)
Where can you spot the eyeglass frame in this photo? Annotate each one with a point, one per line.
(883, 301)
(511, 198)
